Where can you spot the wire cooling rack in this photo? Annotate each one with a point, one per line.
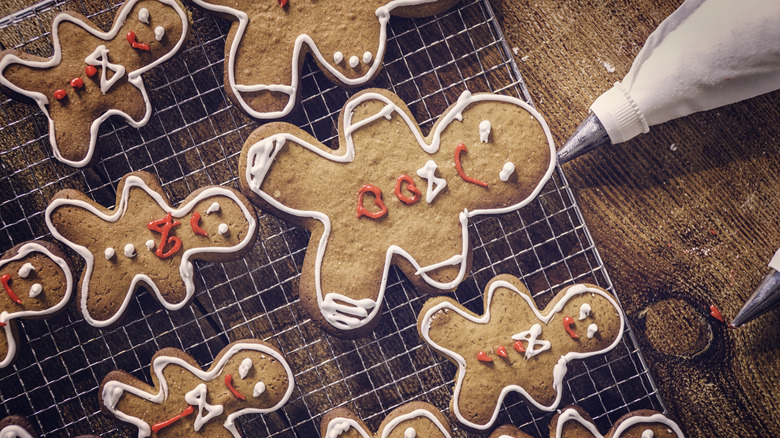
(193, 139)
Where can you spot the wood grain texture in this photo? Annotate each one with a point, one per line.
(684, 216)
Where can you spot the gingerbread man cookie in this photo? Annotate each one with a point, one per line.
(390, 196)
(94, 75)
(16, 426)
(414, 419)
(269, 40)
(37, 282)
(574, 422)
(246, 377)
(515, 347)
(144, 241)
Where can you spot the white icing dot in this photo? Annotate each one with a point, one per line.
(592, 329)
(223, 229)
(244, 368)
(143, 16)
(36, 290)
(109, 252)
(506, 171)
(354, 61)
(129, 250)
(648, 434)
(259, 389)
(484, 131)
(25, 270)
(159, 33)
(584, 311)
(367, 57)
(150, 244)
(213, 208)
(410, 432)
(338, 57)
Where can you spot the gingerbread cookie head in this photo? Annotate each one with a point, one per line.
(508, 431)
(414, 419)
(94, 75)
(247, 377)
(37, 282)
(145, 241)
(514, 346)
(391, 196)
(269, 40)
(574, 422)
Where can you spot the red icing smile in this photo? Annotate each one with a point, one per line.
(5, 279)
(136, 44)
(458, 150)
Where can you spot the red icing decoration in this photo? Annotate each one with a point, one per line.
(5, 279)
(567, 322)
(282, 3)
(60, 94)
(483, 357)
(136, 44)
(164, 226)
(195, 225)
(229, 384)
(518, 346)
(77, 83)
(715, 312)
(2, 324)
(362, 211)
(501, 351)
(156, 427)
(90, 70)
(409, 186)
(462, 148)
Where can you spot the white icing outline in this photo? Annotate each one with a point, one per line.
(14, 431)
(571, 414)
(261, 155)
(559, 371)
(6, 317)
(133, 77)
(185, 268)
(383, 15)
(113, 389)
(391, 425)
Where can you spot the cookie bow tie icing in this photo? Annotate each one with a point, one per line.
(389, 196)
(37, 282)
(515, 347)
(247, 377)
(411, 420)
(144, 241)
(16, 426)
(268, 42)
(94, 75)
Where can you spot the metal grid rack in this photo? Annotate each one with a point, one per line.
(193, 139)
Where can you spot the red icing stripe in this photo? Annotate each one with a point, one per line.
(195, 225)
(715, 312)
(136, 44)
(462, 148)
(483, 357)
(229, 384)
(5, 279)
(156, 427)
(567, 322)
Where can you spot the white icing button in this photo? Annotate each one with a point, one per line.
(150, 244)
(484, 131)
(584, 311)
(354, 61)
(223, 229)
(129, 250)
(213, 208)
(367, 57)
(143, 16)
(25, 270)
(648, 434)
(109, 252)
(36, 290)
(410, 432)
(506, 171)
(338, 57)
(259, 389)
(592, 329)
(159, 33)
(244, 368)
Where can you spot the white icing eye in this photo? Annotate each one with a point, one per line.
(159, 33)
(109, 252)
(259, 389)
(223, 229)
(592, 329)
(130, 250)
(354, 61)
(244, 368)
(367, 57)
(338, 57)
(213, 208)
(648, 434)
(484, 131)
(507, 171)
(150, 244)
(410, 432)
(143, 16)
(36, 290)
(25, 270)
(584, 311)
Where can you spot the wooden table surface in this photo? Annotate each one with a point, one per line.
(684, 216)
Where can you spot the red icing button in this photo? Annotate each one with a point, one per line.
(410, 186)
(195, 225)
(567, 322)
(158, 426)
(483, 357)
(77, 83)
(5, 279)
(715, 312)
(164, 226)
(501, 351)
(362, 211)
(458, 150)
(136, 44)
(229, 384)
(518, 346)
(90, 70)
(60, 94)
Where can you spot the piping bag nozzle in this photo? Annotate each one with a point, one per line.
(766, 296)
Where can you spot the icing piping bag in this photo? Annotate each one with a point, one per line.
(765, 297)
(706, 54)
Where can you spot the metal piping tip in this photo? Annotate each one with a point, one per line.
(765, 298)
(588, 136)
